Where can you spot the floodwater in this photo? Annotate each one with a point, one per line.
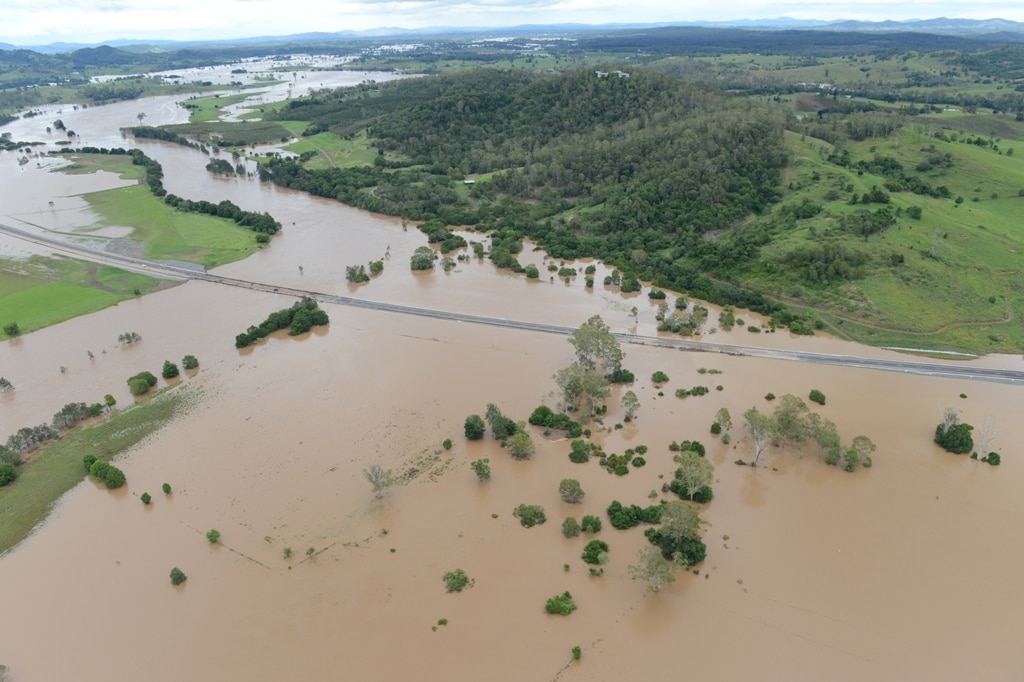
(907, 570)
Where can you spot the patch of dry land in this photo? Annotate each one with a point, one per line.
(907, 570)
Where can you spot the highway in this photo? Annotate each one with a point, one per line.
(962, 371)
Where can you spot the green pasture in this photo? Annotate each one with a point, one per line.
(41, 291)
(333, 151)
(164, 232)
(57, 467)
(966, 297)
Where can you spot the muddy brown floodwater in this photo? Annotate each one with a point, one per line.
(907, 570)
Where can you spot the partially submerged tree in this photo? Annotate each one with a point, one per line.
(654, 569)
(501, 426)
(986, 436)
(520, 445)
(723, 419)
(631, 404)
(571, 491)
(596, 347)
(694, 472)
(762, 429)
(950, 418)
(584, 390)
(380, 479)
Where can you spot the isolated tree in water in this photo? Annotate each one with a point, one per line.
(380, 479)
(762, 429)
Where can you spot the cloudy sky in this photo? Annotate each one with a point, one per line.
(36, 22)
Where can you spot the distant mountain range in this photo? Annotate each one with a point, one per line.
(940, 26)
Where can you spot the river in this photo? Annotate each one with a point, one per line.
(906, 570)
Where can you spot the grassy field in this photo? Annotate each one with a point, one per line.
(57, 467)
(163, 231)
(966, 297)
(332, 150)
(40, 291)
(204, 109)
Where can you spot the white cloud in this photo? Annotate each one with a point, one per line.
(43, 21)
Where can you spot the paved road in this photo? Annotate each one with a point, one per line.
(172, 271)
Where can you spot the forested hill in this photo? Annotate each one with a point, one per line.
(635, 168)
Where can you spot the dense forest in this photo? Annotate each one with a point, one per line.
(634, 167)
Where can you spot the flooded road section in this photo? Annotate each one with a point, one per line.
(907, 570)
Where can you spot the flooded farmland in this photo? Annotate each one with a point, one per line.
(905, 570)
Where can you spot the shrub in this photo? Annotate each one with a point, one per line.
(623, 517)
(570, 527)
(113, 478)
(146, 498)
(716, 428)
(621, 376)
(562, 604)
(447, 444)
(88, 460)
(189, 362)
(529, 515)
(571, 490)
(590, 524)
(456, 581)
(638, 462)
(170, 370)
(98, 469)
(532, 272)
(166, 488)
(475, 427)
(481, 468)
(993, 458)
(8, 473)
(956, 439)
(580, 453)
(577, 653)
(213, 535)
(816, 396)
(177, 576)
(596, 552)
(659, 377)
(769, 397)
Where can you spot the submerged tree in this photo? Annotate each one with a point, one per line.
(380, 479)
(654, 569)
(762, 430)
(694, 472)
(631, 404)
(596, 347)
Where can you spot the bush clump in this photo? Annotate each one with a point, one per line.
(580, 453)
(170, 370)
(8, 473)
(529, 515)
(956, 439)
(562, 604)
(623, 517)
(548, 418)
(146, 498)
(141, 382)
(596, 552)
(570, 527)
(482, 469)
(189, 362)
(456, 581)
(177, 576)
(474, 427)
(816, 396)
(590, 524)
